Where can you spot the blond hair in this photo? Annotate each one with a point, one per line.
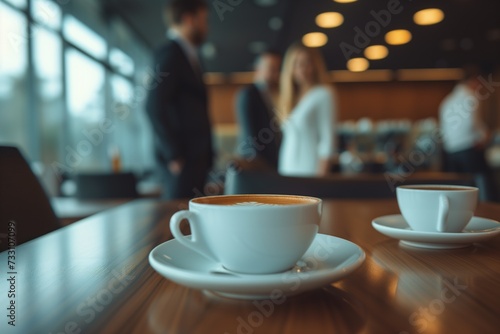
(288, 87)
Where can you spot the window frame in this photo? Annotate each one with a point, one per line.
(34, 111)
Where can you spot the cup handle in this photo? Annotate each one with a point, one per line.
(444, 208)
(196, 242)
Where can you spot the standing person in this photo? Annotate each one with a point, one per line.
(259, 133)
(177, 103)
(309, 108)
(464, 133)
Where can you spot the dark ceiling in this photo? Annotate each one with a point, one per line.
(470, 32)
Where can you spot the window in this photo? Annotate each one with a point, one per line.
(121, 62)
(124, 136)
(85, 80)
(46, 12)
(65, 98)
(14, 123)
(18, 3)
(131, 127)
(85, 38)
(47, 61)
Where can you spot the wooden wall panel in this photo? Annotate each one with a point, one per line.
(376, 100)
(222, 103)
(391, 100)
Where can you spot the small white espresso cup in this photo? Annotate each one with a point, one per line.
(437, 208)
(252, 234)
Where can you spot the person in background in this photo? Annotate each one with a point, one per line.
(464, 134)
(260, 136)
(309, 111)
(177, 103)
(463, 131)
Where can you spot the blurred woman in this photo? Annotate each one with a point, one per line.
(308, 107)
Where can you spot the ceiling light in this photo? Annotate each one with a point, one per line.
(329, 20)
(357, 64)
(398, 37)
(428, 16)
(345, 1)
(376, 52)
(314, 39)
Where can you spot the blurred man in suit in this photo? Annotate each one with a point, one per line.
(260, 135)
(177, 103)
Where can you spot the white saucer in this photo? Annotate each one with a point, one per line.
(478, 229)
(328, 259)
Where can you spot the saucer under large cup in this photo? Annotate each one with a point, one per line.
(327, 260)
(478, 229)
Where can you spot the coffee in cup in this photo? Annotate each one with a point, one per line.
(252, 234)
(437, 208)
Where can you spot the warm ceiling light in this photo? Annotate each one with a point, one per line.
(314, 39)
(428, 16)
(376, 52)
(357, 64)
(329, 20)
(345, 1)
(398, 37)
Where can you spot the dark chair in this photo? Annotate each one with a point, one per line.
(22, 200)
(260, 182)
(105, 185)
(241, 180)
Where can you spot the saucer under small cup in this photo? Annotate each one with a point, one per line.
(327, 260)
(478, 229)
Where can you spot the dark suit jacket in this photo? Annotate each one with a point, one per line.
(177, 108)
(259, 133)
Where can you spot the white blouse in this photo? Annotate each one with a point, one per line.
(309, 133)
(461, 125)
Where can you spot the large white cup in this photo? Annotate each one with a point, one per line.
(253, 234)
(437, 208)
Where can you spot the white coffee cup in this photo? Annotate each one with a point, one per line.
(252, 234)
(437, 208)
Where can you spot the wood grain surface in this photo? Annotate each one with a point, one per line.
(94, 277)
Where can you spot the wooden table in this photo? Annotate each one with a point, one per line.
(71, 209)
(94, 277)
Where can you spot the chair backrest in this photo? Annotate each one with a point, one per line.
(105, 185)
(241, 181)
(22, 200)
